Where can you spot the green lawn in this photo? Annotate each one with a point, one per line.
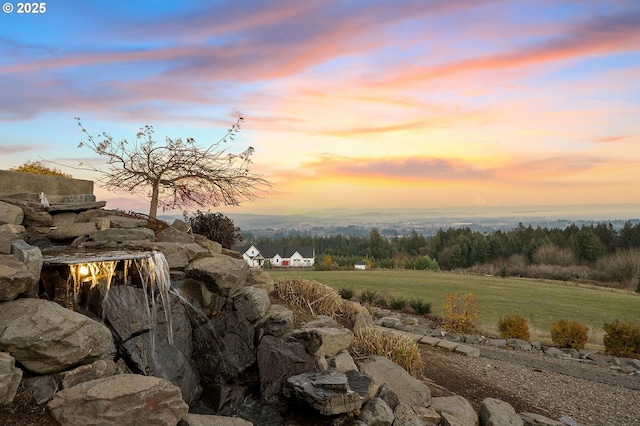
(540, 302)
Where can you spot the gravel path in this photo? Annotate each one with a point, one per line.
(534, 382)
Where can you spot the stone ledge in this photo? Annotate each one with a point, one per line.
(467, 350)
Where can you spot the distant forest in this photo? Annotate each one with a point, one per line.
(590, 252)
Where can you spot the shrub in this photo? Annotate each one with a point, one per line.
(568, 334)
(622, 339)
(38, 168)
(369, 297)
(460, 312)
(622, 266)
(346, 293)
(551, 254)
(420, 307)
(216, 227)
(397, 303)
(504, 271)
(513, 327)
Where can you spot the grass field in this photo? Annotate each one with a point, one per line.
(540, 302)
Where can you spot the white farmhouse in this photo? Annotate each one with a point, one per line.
(277, 256)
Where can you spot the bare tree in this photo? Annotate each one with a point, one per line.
(177, 174)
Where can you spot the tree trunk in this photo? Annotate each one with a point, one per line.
(153, 209)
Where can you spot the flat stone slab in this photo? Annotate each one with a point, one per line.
(467, 350)
(448, 344)
(429, 340)
(74, 207)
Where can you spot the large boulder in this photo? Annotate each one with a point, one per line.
(10, 214)
(153, 355)
(72, 231)
(331, 392)
(277, 321)
(223, 347)
(30, 256)
(125, 222)
(125, 310)
(221, 274)
(455, 411)
(251, 302)
(192, 419)
(122, 234)
(174, 235)
(84, 373)
(47, 338)
(409, 389)
(123, 399)
(15, 278)
(494, 412)
(324, 341)
(279, 360)
(376, 413)
(10, 377)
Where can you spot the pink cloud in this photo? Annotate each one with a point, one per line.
(616, 33)
(612, 139)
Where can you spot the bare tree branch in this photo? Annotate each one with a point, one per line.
(179, 174)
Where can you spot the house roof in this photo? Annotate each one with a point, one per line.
(361, 263)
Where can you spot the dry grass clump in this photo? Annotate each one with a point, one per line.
(400, 348)
(317, 299)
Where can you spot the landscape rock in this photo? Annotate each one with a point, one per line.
(10, 214)
(342, 361)
(277, 321)
(36, 217)
(42, 388)
(119, 235)
(323, 341)
(554, 352)
(78, 206)
(63, 219)
(123, 399)
(10, 377)
(5, 245)
(125, 222)
(223, 347)
(329, 392)
(260, 279)
(409, 389)
(30, 256)
(15, 278)
(47, 338)
(125, 309)
(533, 419)
(455, 411)
(251, 302)
(90, 215)
(181, 225)
(224, 399)
(494, 412)
(407, 415)
(376, 413)
(221, 274)
(84, 373)
(159, 358)
(279, 360)
(192, 419)
(212, 247)
(69, 232)
(174, 235)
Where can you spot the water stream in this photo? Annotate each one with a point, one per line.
(101, 269)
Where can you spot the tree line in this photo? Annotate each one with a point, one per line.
(577, 247)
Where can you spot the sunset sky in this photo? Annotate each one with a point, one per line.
(348, 103)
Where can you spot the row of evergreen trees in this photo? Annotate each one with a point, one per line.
(461, 247)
